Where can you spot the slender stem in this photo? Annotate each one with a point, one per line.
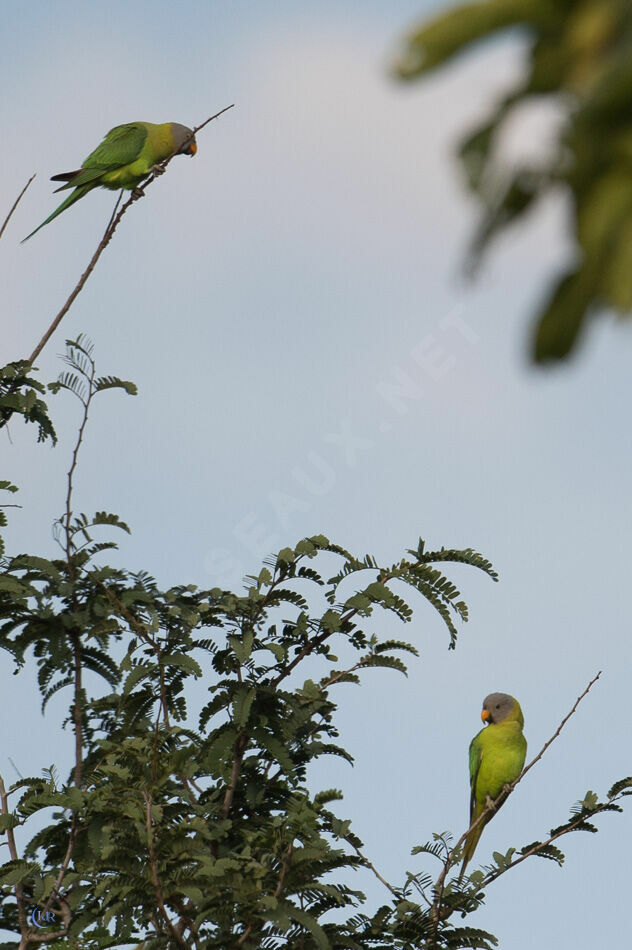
(74, 634)
(557, 731)
(13, 851)
(238, 754)
(116, 206)
(373, 868)
(544, 844)
(62, 871)
(76, 711)
(15, 204)
(277, 891)
(73, 466)
(134, 624)
(154, 875)
(312, 645)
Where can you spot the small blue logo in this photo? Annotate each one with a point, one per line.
(38, 915)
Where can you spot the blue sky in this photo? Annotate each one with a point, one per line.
(266, 298)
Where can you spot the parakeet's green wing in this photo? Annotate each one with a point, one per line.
(475, 764)
(121, 146)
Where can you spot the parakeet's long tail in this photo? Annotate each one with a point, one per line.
(470, 846)
(70, 200)
(65, 176)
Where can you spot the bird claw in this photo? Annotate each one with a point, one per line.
(495, 803)
(157, 170)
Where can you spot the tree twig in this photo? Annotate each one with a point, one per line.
(15, 204)
(373, 868)
(238, 754)
(557, 731)
(543, 844)
(154, 876)
(277, 891)
(55, 892)
(317, 641)
(19, 896)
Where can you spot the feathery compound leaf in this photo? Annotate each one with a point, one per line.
(435, 848)
(388, 662)
(465, 556)
(387, 645)
(108, 518)
(327, 796)
(276, 750)
(139, 673)
(242, 704)
(242, 646)
(60, 684)
(113, 382)
(551, 852)
(36, 567)
(183, 662)
(72, 382)
(308, 923)
(469, 937)
(587, 804)
(19, 393)
(100, 662)
(620, 786)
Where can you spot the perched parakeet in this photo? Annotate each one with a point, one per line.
(497, 756)
(125, 156)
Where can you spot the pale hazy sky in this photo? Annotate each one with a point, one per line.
(264, 297)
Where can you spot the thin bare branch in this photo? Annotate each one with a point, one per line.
(373, 868)
(536, 848)
(557, 731)
(15, 204)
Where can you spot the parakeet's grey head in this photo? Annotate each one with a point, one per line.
(184, 139)
(497, 706)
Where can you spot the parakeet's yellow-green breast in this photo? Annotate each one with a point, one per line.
(123, 159)
(497, 756)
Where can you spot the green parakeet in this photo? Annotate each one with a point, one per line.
(497, 755)
(125, 156)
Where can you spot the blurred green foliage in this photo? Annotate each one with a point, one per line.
(580, 51)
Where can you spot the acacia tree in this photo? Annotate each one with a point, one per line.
(580, 56)
(202, 831)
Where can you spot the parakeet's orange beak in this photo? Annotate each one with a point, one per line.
(192, 149)
(485, 715)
